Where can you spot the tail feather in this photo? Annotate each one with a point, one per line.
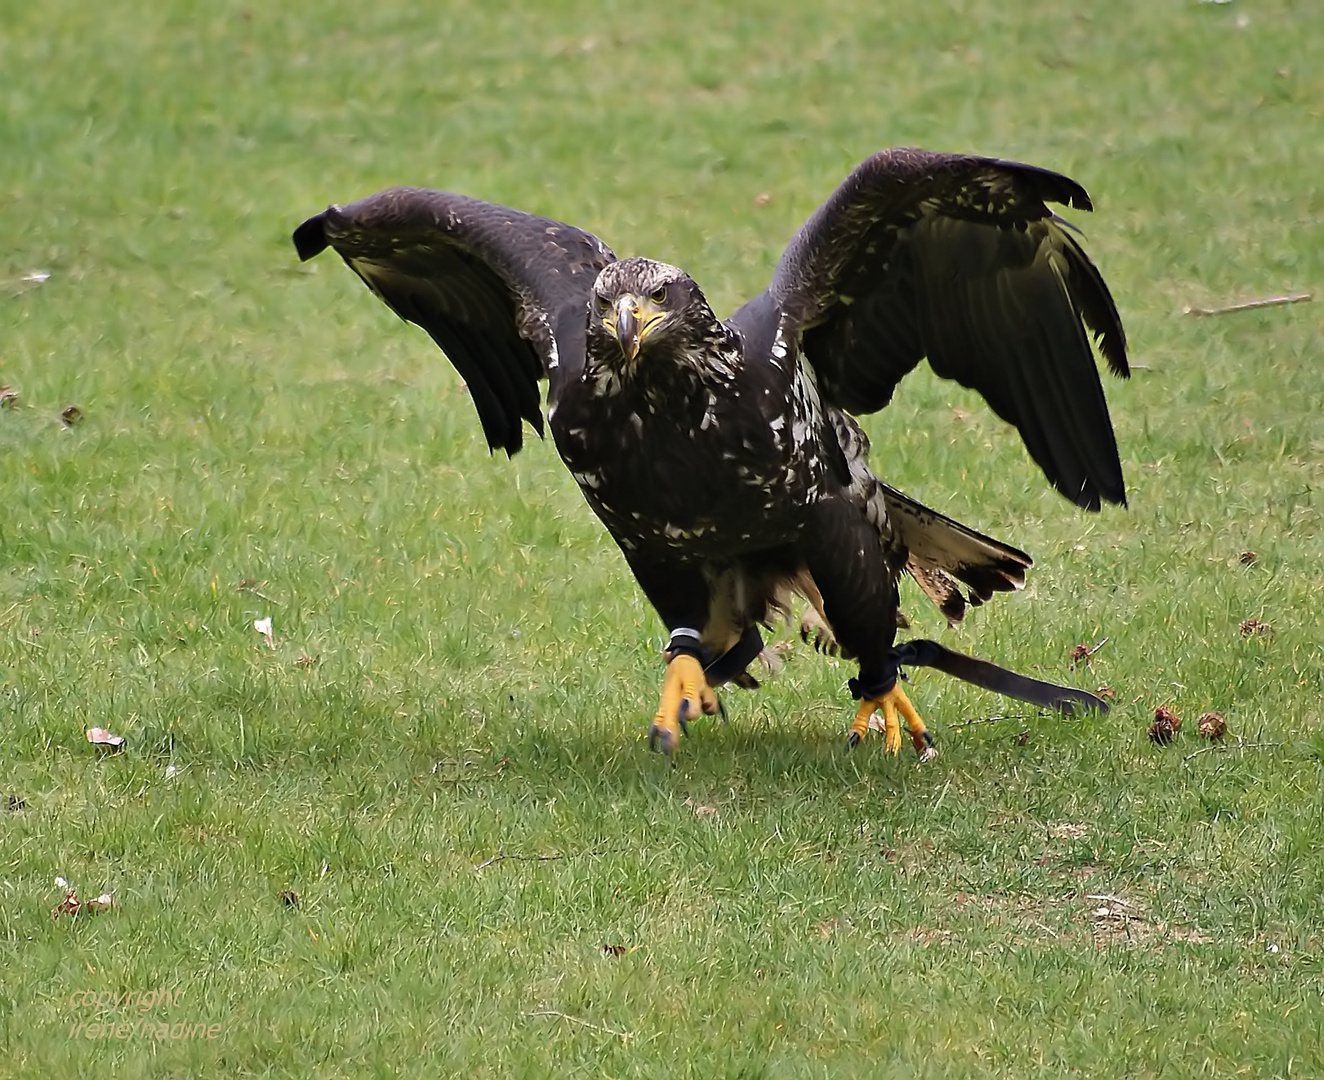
(942, 552)
(941, 589)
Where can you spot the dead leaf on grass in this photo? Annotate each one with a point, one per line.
(106, 742)
(1081, 653)
(68, 906)
(1106, 912)
(71, 905)
(1255, 628)
(1165, 727)
(1212, 726)
(827, 929)
(702, 811)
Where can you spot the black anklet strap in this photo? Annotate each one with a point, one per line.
(685, 641)
(876, 685)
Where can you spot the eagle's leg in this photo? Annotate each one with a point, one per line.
(685, 694)
(680, 593)
(891, 703)
(856, 575)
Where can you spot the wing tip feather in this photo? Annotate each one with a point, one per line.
(1078, 198)
(1093, 494)
(310, 238)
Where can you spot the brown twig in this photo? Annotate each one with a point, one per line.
(1239, 746)
(992, 719)
(1251, 305)
(558, 1015)
(502, 856)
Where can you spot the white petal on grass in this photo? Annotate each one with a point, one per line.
(263, 627)
(24, 282)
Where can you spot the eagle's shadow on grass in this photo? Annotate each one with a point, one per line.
(716, 754)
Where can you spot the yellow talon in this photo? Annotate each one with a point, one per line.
(891, 725)
(685, 694)
(892, 703)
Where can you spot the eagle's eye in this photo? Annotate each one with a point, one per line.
(659, 295)
(600, 303)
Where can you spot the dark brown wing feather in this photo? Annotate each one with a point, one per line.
(503, 293)
(959, 259)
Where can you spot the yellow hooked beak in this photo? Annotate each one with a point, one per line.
(630, 321)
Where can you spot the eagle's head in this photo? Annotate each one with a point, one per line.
(643, 311)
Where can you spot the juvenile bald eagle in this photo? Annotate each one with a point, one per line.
(721, 455)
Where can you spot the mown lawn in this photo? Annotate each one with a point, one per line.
(421, 834)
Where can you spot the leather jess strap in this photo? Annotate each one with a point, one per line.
(1065, 699)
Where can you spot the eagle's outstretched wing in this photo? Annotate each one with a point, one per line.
(502, 292)
(959, 259)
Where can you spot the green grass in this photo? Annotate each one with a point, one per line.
(462, 664)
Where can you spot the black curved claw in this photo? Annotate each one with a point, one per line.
(852, 741)
(660, 741)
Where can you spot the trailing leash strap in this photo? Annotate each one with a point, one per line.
(1000, 680)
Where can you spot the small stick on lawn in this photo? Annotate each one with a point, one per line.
(1251, 305)
(501, 856)
(582, 1023)
(1239, 746)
